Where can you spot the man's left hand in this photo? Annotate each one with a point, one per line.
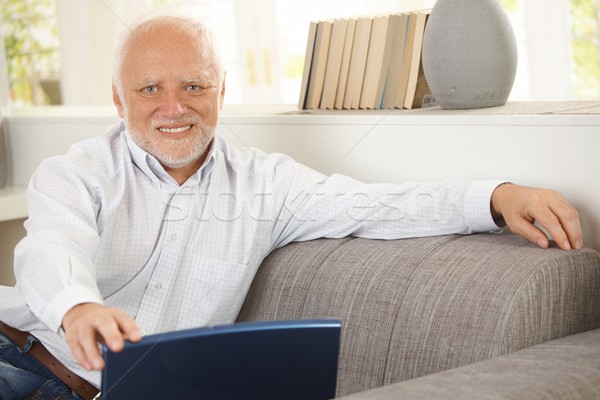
(521, 207)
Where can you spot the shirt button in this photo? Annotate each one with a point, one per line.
(159, 286)
(174, 237)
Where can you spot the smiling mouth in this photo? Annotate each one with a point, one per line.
(175, 130)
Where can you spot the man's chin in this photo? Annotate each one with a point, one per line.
(177, 164)
(187, 158)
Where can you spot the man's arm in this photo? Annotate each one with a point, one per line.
(309, 205)
(54, 266)
(520, 207)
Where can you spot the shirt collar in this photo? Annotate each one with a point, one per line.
(150, 166)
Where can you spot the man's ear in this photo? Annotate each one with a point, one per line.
(222, 94)
(117, 101)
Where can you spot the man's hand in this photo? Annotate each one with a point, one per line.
(88, 324)
(521, 206)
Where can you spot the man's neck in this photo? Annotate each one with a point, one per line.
(182, 174)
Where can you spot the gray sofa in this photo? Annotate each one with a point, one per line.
(452, 317)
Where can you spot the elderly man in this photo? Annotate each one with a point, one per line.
(160, 225)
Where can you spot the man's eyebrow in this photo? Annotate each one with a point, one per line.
(204, 79)
(198, 78)
(147, 82)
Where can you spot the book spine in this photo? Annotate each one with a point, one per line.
(366, 62)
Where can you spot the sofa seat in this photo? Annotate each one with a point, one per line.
(561, 369)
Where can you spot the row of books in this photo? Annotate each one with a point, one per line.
(367, 62)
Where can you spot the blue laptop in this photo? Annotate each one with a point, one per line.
(253, 360)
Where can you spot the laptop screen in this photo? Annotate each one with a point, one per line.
(254, 360)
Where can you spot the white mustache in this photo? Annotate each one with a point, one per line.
(155, 123)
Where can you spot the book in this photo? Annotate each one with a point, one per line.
(406, 61)
(358, 61)
(310, 46)
(422, 96)
(415, 63)
(391, 40)
(345, 64)
(398, 26)
(334, 63)
(375, 63)
(366, 62)
(318, 65)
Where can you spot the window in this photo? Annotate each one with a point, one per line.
(585, 48)
(263, 43)
(31, 52)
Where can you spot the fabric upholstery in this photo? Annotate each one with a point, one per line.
(413, 307)
(563, 369)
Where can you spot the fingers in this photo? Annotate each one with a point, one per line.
(560, 220)
(87, 325)
(129, 330)
(528, 230)
(84, 347)
(523, 207)
(82, 338)
(566, 232)
(569, 230)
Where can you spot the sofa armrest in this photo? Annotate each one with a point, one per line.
(413, 307)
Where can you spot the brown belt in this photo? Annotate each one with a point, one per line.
(76, 383)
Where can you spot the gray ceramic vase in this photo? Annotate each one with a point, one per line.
(469, 54)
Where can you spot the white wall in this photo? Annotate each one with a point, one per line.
(553, 151)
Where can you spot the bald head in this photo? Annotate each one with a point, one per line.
(172, 28)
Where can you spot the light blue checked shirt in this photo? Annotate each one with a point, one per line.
(108, 225)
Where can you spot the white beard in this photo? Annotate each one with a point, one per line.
(174, 153)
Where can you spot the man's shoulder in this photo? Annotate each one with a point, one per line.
(111, 141)
(100, 155)
(248, 158)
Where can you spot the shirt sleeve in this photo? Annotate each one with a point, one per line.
(478, 200)
(53, 263)
(311, 205)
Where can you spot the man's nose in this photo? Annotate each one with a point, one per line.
(173, 105)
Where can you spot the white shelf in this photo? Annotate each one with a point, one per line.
(13, 203)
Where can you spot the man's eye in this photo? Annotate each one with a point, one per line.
(193, 88)
(150, 89)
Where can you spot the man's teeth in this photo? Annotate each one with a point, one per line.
(175, 130)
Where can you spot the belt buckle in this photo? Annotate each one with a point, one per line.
(97, 397)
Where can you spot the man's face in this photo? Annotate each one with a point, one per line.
(171, 97)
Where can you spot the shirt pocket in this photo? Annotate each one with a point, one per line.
(216, 289)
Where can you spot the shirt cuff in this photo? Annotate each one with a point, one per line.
(68, 298)
(478, 213)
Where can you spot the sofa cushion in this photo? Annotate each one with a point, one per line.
(562, 369)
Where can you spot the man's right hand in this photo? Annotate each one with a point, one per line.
(88, 324)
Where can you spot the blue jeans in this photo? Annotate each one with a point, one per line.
(22, 377)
